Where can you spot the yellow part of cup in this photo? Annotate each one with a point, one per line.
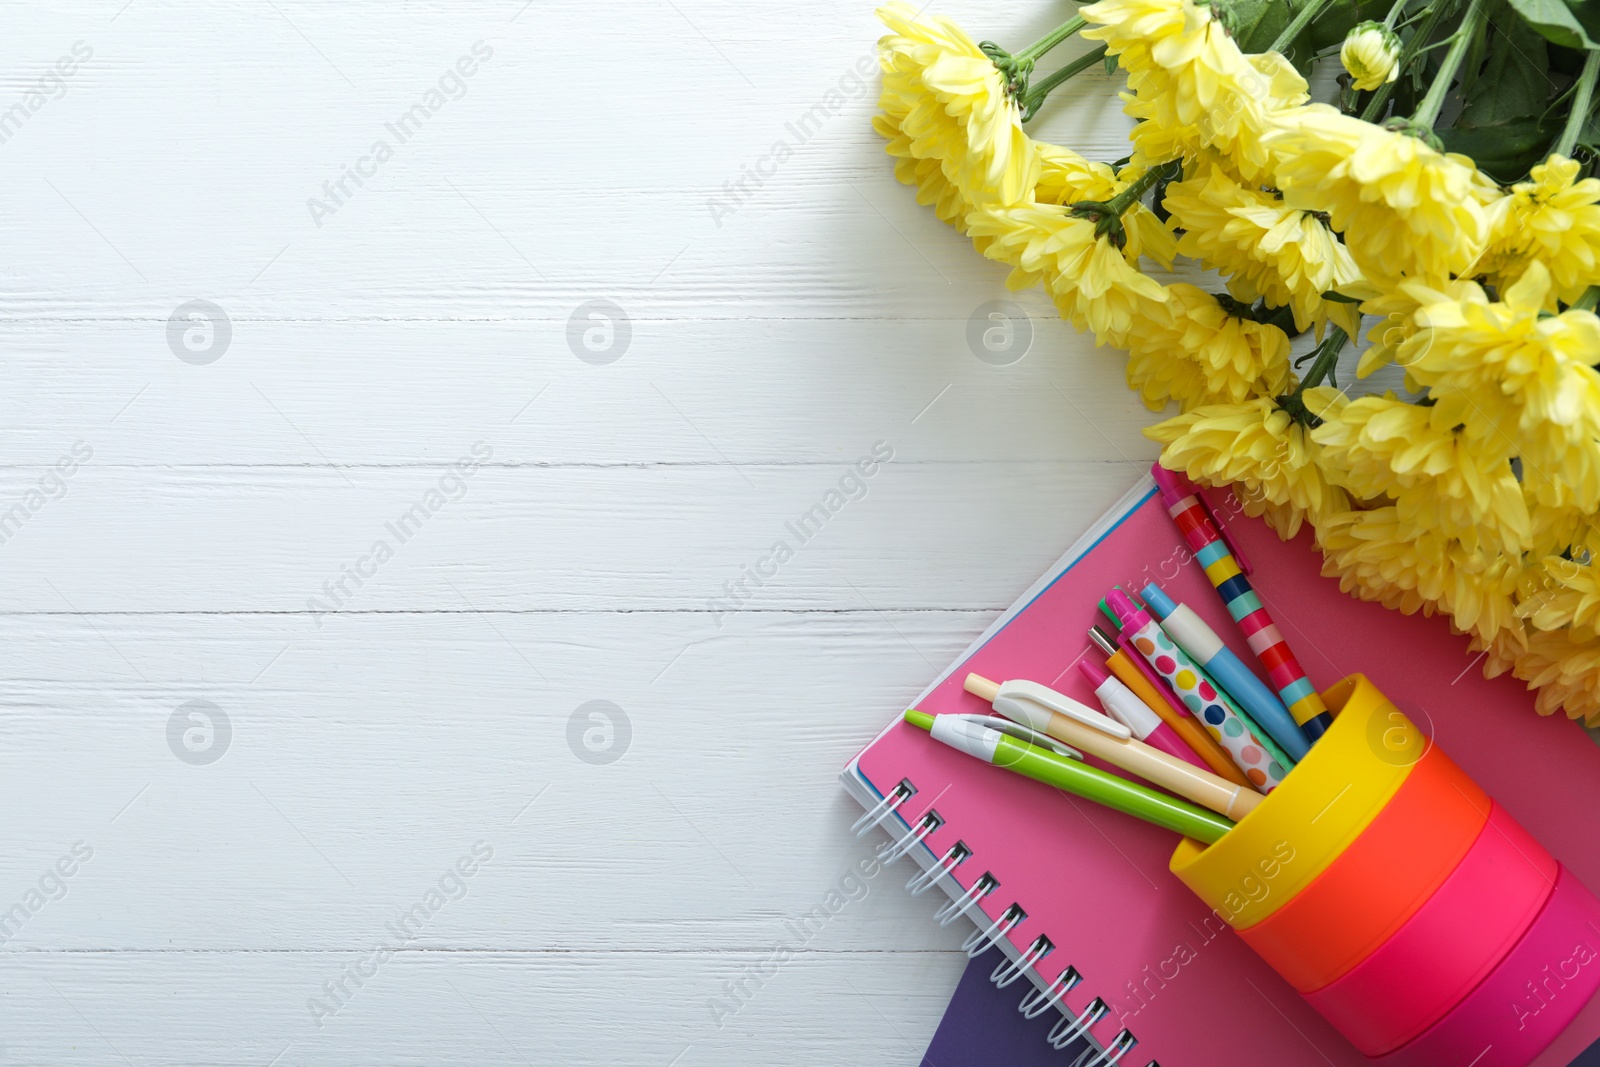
(1323, 805)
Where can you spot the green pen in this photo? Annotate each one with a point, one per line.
(974, 735)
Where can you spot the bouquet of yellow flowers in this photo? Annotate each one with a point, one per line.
(1471, 247)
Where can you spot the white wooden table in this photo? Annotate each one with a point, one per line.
(269, 770)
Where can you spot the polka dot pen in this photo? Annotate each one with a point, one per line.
(1223, 720)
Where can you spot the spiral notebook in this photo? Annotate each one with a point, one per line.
(1091, 929)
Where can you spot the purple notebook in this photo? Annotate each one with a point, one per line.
(982, 1026)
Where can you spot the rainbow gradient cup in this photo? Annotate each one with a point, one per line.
(1401, 902)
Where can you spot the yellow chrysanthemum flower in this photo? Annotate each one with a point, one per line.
(1147, 35)
(950, 103)
(1417, 456)
(926, 174)
(1258, 445)
(1561, 594)
(1525, 376)
(1378, 557)
(1191, 87)
(1561, 530)
(1396, 310)
(1266, 248)
(1370, 53)
(1205, 355)
(1555, 219)
(1565, 668)
(1066, 178)
(1093, 285)
(1404, 209)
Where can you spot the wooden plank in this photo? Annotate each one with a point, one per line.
(419, 1008)
(914, 535)
(224, 124)
(684, 392)
(333, 779)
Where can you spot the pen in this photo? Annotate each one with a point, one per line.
(1214, 550)
(977, 738)
(1192, 634)
(1122, 705)
(1048, 712)
(1221, 717)
(1126, 663)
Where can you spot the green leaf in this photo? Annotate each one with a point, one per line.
(1503, 150)
(1587, 12)
(1257, 23)
(1515, 82)
(1333, 22)
(1556, 20)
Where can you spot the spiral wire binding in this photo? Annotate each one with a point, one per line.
(923, 881)
(1008, 970)
(1037, 1001)
(883, 809)
(1108, 1057)
(912, 838)
(984, 939)
(963, 904)
(1061, 1038)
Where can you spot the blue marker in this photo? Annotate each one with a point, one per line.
(1201, 642)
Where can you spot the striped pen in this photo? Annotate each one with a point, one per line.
(1208, 540)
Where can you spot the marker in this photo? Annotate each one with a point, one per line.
(975, 736)
(1048, 712)
(1121, 704)
(1192, 634)
(1126, 663)
(1215, 551)
(1221, 716)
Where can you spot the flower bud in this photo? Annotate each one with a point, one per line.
(1369, 53)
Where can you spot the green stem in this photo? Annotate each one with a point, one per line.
(1041, 89)
(1312, 9)
(1380, 98)
(1589, 300)
(1327, 357)
(1394, 13)
(1135, 192)
(1460, 41)
(1050, 40)
(1580, 105)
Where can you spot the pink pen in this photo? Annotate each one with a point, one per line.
(1121, 704)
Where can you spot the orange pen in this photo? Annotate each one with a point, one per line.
(1127, 669)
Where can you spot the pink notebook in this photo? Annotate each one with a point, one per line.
(1094, 882)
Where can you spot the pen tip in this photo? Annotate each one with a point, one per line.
(919, 719)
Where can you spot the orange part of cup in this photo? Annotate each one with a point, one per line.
(1379, 881)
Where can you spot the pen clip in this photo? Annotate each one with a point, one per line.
(1020, 732)
(1019, 689)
